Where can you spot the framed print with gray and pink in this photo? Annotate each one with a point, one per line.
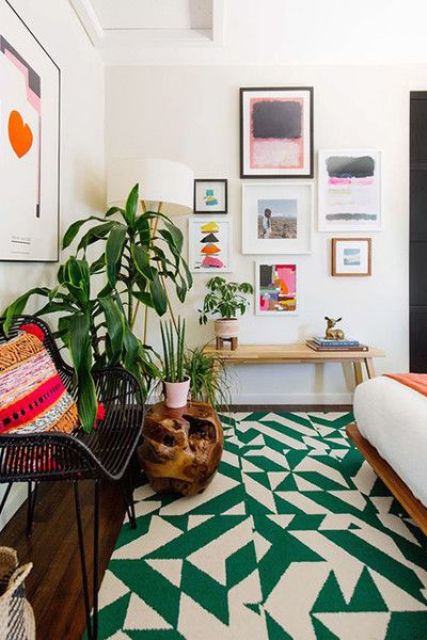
(276, 132)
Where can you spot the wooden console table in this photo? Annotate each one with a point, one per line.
(298, 353)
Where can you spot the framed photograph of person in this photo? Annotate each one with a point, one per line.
(276, 132)
(210, 195)
(277, 218)
(351, 256)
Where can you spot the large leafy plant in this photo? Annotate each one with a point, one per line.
(225, 299)
(139, 253)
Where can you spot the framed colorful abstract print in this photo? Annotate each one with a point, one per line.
(276, 288)
(349, 190)
(277, 217)
(351, 256)
(276, 132)
(210, 196)
(29, 144)
(209, 245)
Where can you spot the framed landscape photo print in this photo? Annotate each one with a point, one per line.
(29, 144)
(276, 132)
(351, 256)
(275, 288)
(210, 196)
(349, 190)
(209, 245)
(277, 218)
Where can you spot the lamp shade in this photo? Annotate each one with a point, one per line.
(160, 181)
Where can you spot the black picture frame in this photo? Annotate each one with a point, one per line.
(222, 210)
(310, 130)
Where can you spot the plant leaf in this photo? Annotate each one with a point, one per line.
(74, 228)
(132, 206)
(114, 251)
(18, 306)
(115, 326)
(158, 295)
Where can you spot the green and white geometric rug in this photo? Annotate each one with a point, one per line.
(295, 538)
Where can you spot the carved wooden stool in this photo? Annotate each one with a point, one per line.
(182, 448)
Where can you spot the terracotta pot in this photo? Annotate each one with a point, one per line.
(227, 328)
(176, 393)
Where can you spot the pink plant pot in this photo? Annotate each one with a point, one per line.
(176, 393)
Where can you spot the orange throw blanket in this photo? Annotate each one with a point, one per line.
(416, 381)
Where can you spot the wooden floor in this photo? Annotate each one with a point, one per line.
(54, 585)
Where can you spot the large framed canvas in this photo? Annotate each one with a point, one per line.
(29, 144)
(209, 245)
(349, 190)
(276, 288)
(277, 218)
(276, 132)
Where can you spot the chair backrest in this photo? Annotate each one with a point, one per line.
(48, 340)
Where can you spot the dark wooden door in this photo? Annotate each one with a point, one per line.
(418, 232)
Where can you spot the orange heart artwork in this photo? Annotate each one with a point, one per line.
(20, 134)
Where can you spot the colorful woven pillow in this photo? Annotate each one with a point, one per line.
(33, 397)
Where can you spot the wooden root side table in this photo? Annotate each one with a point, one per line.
(182, 448)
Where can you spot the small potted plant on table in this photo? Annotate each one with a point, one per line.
(176, 382)
(226, 299)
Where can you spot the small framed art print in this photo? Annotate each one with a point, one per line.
(209, 245)
(210, 196)
(275, 288)
(277, 218)
(276, 132)
(351, 256)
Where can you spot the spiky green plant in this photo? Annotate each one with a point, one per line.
(173, 343)
(208, 378)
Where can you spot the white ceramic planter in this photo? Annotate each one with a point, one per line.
(176, 393)
(227, 328)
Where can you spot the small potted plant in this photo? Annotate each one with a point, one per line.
(176, 382)
(226, 299)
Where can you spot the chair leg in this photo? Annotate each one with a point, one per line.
(127, 491)
(5, 497)
(31, 504)
(82, 559)
(95, 562)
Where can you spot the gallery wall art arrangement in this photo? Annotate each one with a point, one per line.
(276, 143)
(29, 144)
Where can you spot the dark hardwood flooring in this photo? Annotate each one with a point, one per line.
(54, 586)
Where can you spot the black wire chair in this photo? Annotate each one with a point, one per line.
(105, 453)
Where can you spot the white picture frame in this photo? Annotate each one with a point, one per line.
(210, 241)
(266, 301)
(349, 190)
(29, 144)
(289, 207)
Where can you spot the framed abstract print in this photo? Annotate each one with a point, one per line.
(29, 144)
(210, 196)
(276, 288)
(349, 187)
(276, 132)
(277, 217)
(209, 245)
(351, 256)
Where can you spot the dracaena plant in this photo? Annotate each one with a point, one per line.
(225, 299)
(141, 252)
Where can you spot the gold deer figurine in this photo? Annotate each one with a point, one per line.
(331, 333)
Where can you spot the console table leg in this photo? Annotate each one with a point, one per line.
(358, 375)
(370, 368)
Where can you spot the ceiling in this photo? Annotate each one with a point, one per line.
(135, 24)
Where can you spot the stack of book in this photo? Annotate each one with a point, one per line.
(325, 344)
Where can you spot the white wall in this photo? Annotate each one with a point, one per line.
(82, 141)
(190, 113)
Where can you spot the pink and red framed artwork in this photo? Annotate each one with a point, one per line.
(276, 132)
(276, 288)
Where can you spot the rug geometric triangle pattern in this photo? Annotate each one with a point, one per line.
(295, 539)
